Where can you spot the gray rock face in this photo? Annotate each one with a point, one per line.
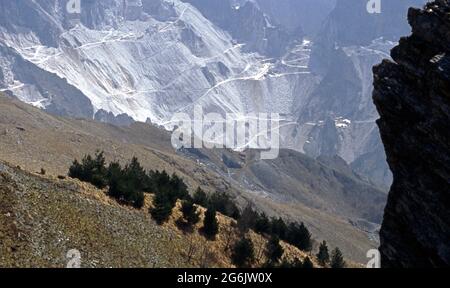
(350, 23)
(148, 60)
(350, 42)
(412, 96)
(248, 24)
(108, 117)
(327, 184)
(307, 15)
(43, 89)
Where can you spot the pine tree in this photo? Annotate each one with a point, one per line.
(323, 256)
(222, 203)
(247, 219)
(243, 254)
(337, 259)
(262, 224)
(190, 214)
(179, 190)
(307, 263)
(162, 208)
(123, 185)
(114, 175)
(200, 197)
(137, 176)
(137, 198)
(91, 170)
(210, 224)
(279, 228)
(160, 180)
(274, 251)
(99, 171)
(299, 236)
(76, 170)
(126, 185)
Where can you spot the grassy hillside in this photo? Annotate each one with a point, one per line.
(42, 218)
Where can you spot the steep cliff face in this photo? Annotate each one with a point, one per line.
(412, 94)
(248, 24)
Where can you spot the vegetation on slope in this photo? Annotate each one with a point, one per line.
(127, 185)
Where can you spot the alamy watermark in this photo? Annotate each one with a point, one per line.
(375, 258)
(374, 6)
(73, 6)
(258, 131)
(74, 259)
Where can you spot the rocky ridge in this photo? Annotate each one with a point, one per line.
(412, 96)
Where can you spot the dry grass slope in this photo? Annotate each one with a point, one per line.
(42, 218)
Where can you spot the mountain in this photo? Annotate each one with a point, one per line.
(119, 62)
(148, 61)
(412, 96)
(349, 43)
(305, 15)
(326, 195)
(351, 24)
(249, 24)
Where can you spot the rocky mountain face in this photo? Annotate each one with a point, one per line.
(305, 15)
(146, 60)
(412, 96)
(350, 23)
(334, 115)
(349, 43)
(248, 24)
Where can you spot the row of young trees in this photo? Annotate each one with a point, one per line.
(243, 256)
(191, 216)
(243, 252)
(336, 260)
(293, 233)
(125, 183)
(276, 229)
(166, 197)
(221, 202)
(129, 183)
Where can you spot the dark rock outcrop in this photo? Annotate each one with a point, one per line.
(108, 117)
(412, 94)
